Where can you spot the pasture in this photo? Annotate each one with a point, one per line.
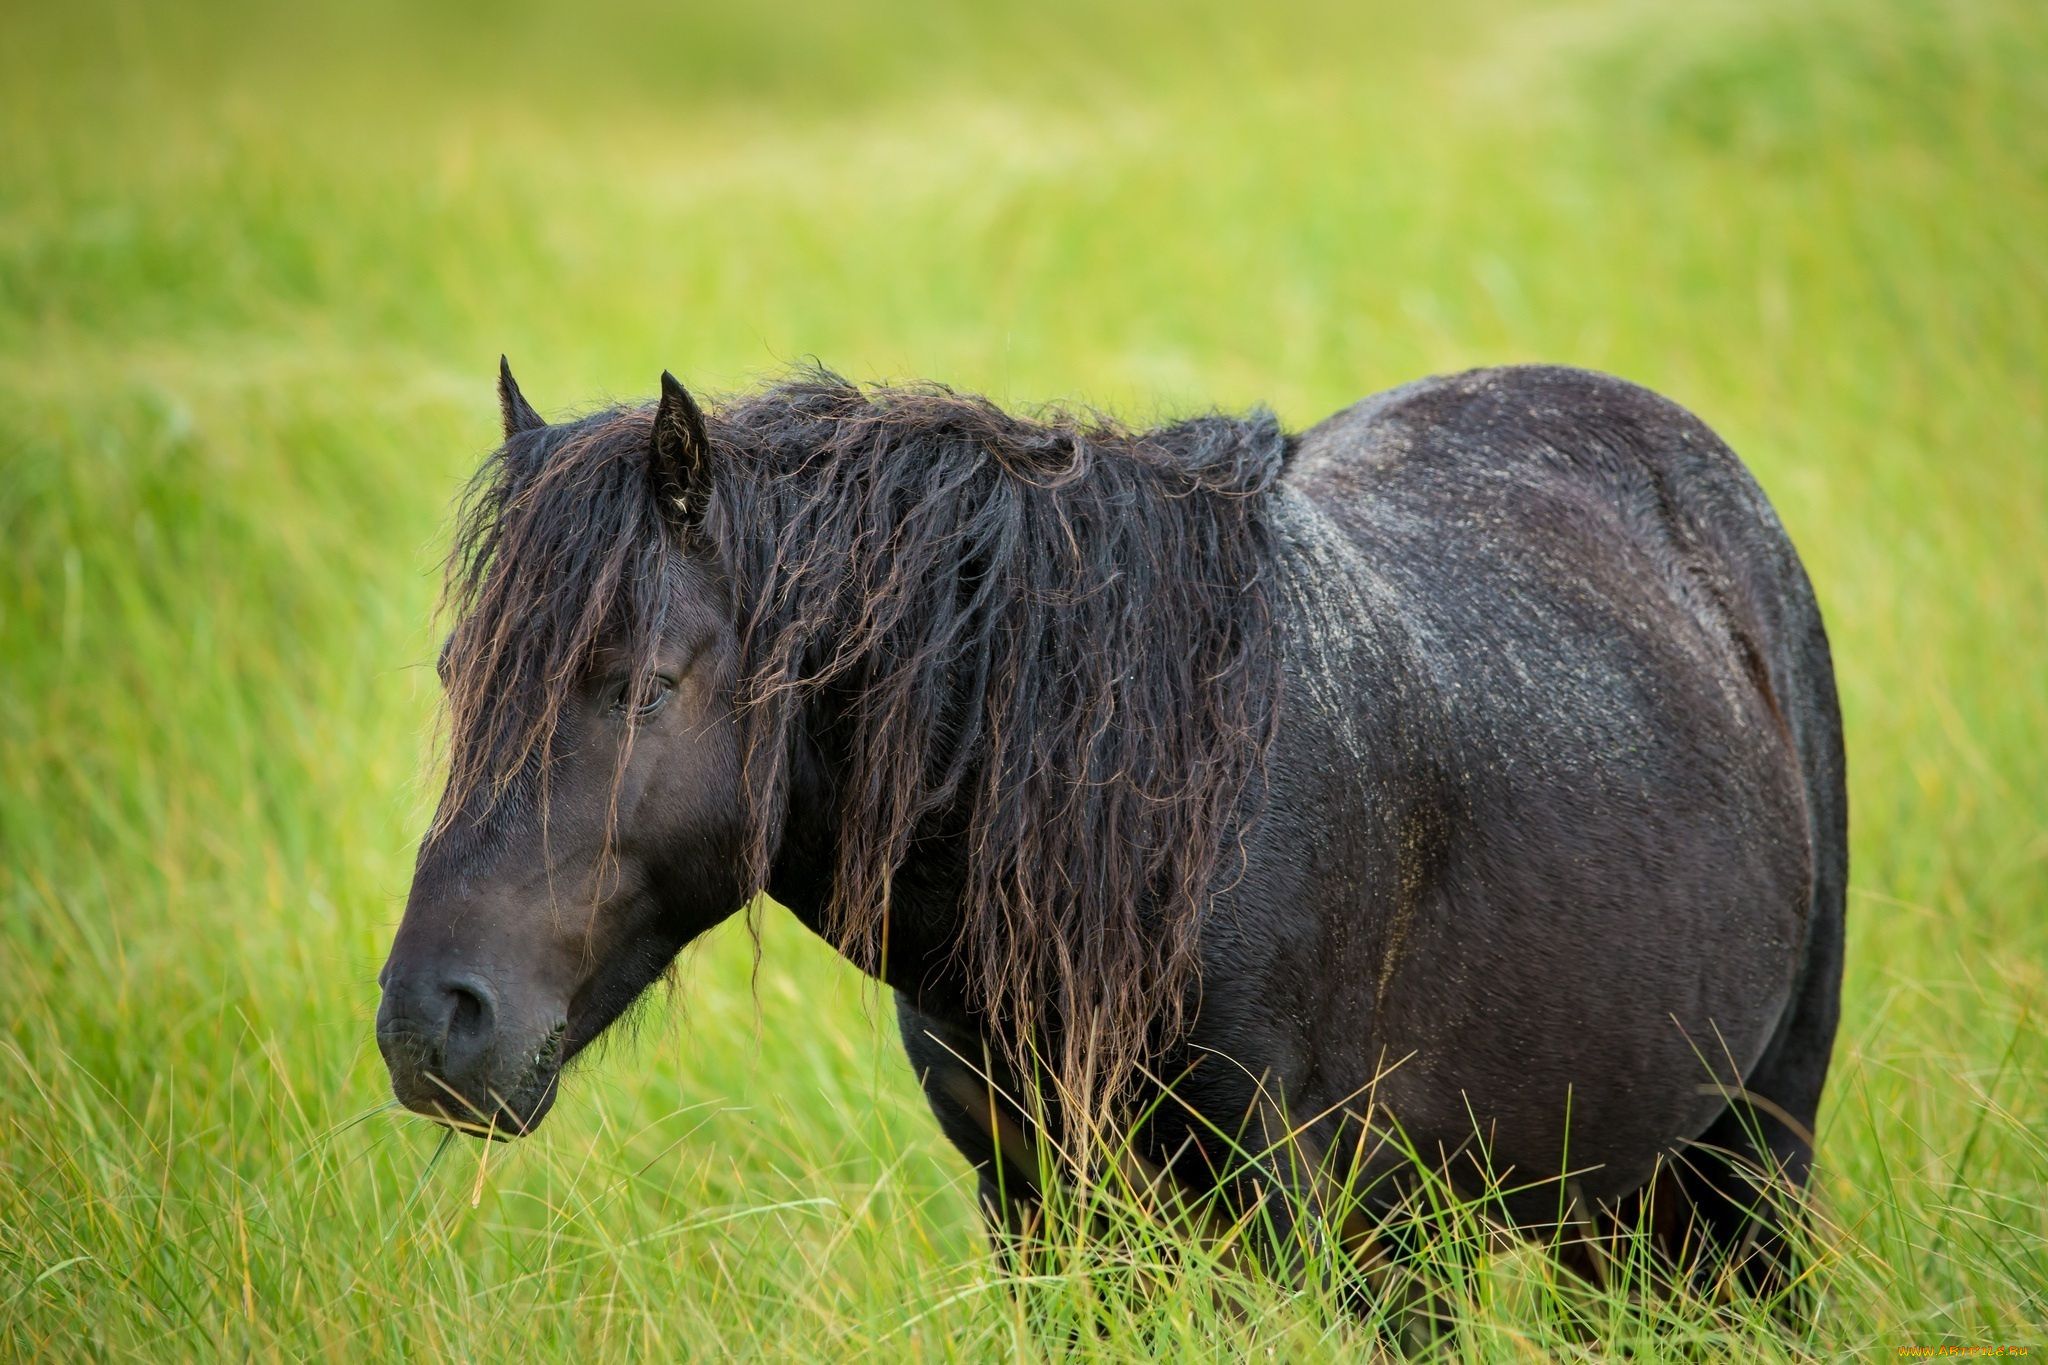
(256, 268)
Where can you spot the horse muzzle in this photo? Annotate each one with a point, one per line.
(457, 1055)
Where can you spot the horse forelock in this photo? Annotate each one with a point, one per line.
(557, 552)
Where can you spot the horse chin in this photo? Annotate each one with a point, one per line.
(519, 1111)
(521, 1114)
(517, 1116)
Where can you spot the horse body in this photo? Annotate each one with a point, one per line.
(1551, 851)
(1541, 862)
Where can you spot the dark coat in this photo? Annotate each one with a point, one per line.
(1552, 850)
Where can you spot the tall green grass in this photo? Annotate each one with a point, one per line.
(256, 264)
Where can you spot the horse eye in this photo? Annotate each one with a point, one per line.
(658, 689)
(658, 692)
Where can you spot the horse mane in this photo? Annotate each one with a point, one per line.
(1050, 640)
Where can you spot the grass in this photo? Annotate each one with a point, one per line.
(257, 263)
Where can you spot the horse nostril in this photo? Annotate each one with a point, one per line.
(469, 1015)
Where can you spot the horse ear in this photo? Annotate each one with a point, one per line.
(518, 413)
(680, 460)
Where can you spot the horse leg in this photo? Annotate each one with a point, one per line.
(1739, 1185)
(970, 1098)
(1737, 1189)
(1407, 1279)
(1723, 1215)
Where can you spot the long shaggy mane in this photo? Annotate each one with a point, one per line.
(1048, 640)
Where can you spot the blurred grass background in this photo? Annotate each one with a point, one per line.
(257, 262)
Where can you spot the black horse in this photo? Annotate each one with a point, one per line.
(1466, 769)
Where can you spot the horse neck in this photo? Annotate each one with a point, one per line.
(924, 913)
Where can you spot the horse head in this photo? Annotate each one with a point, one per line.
(591, 821)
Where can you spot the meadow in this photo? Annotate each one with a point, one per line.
(257, 264)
